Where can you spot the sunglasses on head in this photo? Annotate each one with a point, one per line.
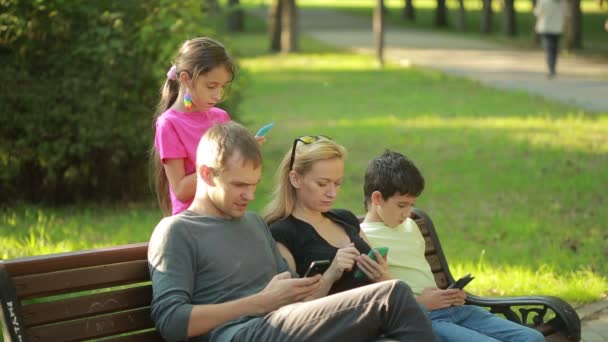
(305, 139)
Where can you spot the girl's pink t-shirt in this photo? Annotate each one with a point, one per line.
(177, 137)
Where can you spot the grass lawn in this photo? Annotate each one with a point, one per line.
(515, 183)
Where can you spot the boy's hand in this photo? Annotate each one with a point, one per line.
(375, 271)
(435, 299)
(343, 261)
(283, 290)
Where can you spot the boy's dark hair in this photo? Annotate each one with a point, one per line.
(392, 173)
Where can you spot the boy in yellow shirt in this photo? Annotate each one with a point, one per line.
(392, 185)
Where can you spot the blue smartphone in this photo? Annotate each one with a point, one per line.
(382, 250)
(262, 132)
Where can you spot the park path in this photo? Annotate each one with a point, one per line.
(581, 81)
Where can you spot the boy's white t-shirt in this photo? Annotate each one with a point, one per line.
(406, 247)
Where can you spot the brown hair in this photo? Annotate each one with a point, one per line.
(196, 57)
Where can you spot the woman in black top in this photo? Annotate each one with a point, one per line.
(307, 229)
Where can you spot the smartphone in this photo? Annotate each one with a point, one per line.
(317, 267)
(462, 282)
(382, 250)
(262, 132)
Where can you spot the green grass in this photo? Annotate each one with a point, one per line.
(515, 183)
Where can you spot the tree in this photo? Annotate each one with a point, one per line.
(574, 26)
(461, 22)
(234, 20)
(283, 26)
(441, 14)
(509, 24)
(379, 31)
(486, 16)
(409, 12)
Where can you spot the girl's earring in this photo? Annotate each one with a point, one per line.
(188, 100)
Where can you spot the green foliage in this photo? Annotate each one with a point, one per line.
(79, 84)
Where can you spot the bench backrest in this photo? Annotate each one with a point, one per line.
(78, 296)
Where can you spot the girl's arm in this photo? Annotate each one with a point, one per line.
(183, 186)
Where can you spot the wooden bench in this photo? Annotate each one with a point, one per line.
(552, 316)
(106, 293)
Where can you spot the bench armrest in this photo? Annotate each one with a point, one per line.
(533, 312)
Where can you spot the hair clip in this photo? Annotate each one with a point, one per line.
(172, 73)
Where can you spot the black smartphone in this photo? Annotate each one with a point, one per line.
(462, 282)
(317, 267)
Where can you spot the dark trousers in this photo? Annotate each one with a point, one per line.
(386, 311)
(551, 45)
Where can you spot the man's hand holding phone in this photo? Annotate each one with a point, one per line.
(283, 290)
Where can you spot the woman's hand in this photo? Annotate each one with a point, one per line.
(343, 261)
(375, 271)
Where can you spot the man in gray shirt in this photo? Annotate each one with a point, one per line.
(218, 276)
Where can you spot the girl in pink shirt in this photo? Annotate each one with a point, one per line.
(195, 84)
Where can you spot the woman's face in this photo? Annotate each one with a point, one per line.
(317, 190)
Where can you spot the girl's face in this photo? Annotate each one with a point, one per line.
(207, 90)
(317, 190)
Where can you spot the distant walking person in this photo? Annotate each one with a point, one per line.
(550, 19)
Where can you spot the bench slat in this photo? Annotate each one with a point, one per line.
(94, 327)
(147, 336)
(86, 306)
(63, 261)
(89, 278)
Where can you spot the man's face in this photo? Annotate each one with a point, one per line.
(395, 209)
(234, 188)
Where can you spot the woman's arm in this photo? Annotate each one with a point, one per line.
(183, 186)
(375, 271)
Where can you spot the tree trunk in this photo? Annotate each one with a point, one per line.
(210, 7)
(574, 27)
(535, 38)
(509, 24)
(461, 20)
(289, 26)
(274, 25)
(235, 18)
(441, 14)
(486, 16)
(379, 31)
(409, 12)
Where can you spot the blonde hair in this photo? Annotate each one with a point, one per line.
(283, 198)
(196, 57)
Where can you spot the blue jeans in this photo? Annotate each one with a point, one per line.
(472, 323)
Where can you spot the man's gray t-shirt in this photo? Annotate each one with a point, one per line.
(201, 259)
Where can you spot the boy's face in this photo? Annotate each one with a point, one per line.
(395, 209)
